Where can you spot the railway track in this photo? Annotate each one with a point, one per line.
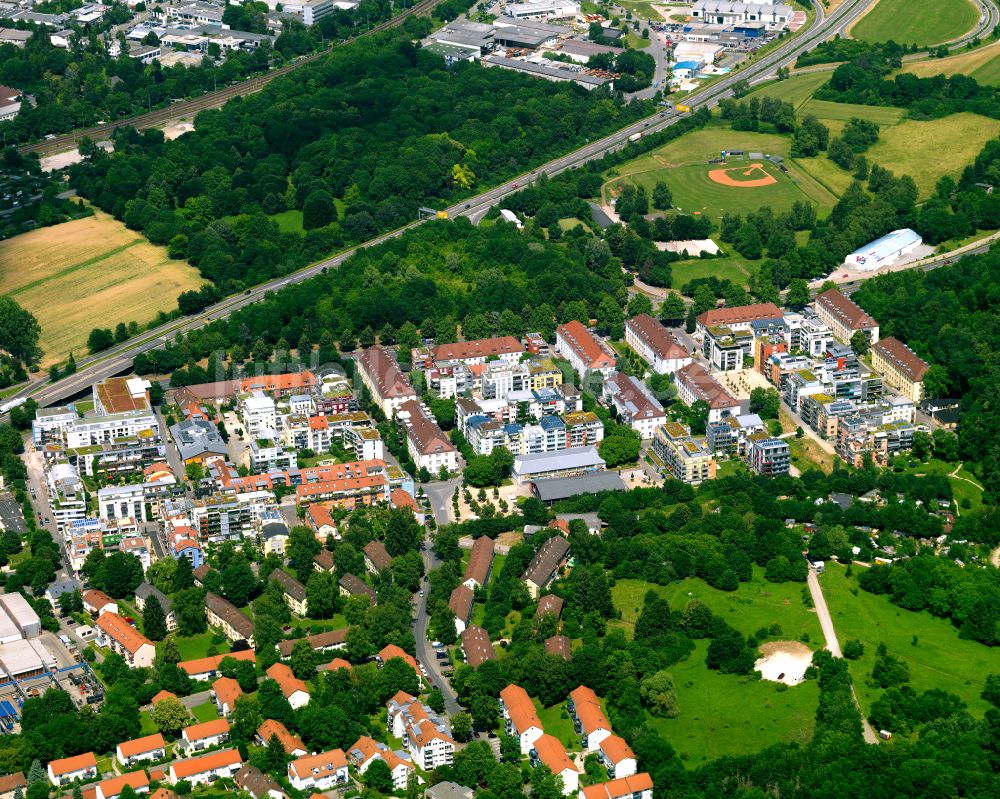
(213, 99)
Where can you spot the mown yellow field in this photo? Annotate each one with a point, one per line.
(89, 273)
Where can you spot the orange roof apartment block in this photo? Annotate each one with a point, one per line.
(584, 352)
(295, 691)
(207, 768)
(520, 717)
(585, 708)
(110, 788)
(506, 348)
(122, 638)
(206, 668)
(227, 691)
(638, 786)
(280, 385)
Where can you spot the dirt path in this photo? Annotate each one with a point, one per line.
(830, 634)
(995, 557)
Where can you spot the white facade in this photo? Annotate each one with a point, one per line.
(122, 502)
(259, 416)
(98, 430)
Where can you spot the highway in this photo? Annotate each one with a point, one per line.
(119, 359)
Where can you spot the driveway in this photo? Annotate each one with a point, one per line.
(832, 644)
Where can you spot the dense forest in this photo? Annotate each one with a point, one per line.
(319, 140)
(950, 316)
(83, 85)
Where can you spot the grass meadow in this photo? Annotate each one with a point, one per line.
(921, 22)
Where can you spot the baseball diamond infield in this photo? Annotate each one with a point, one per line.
(724, 177)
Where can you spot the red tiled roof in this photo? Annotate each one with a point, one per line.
(656, 337)
(520, 708)
(616, 789)
(588, 710)
(427, 437)
(227, 690)
(385, 374)
(287, 681)
(705, 387)
(197, 765)
(391, 651)
(902, 358)
(304, 766)
(113, 787)
(68, 765)
(553, 754)
(290, 742)
(139, 746)
(124, 633)
(616, 749)
(207, 729)
(582, 341)
(478, 348)
(480, 560)
(283, 382)
(161, 696)
(740, 314)
(845, 309)
(205, 665)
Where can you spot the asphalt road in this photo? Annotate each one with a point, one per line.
(119, 359)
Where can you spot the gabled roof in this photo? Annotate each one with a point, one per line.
(205, 665)
(139, 746)
(739, 315)
(846, 310)
(478, 348)
(207, 729)
(69, 765)
(558, 645)
(480, 560)
(290, 742)
(227, 690)
(324, 761)
(655, 336)
(587, 708)
(289, 584)
(616, 749)
(378, 555)
(383, 371)
(586, 347)
(335, 665)
(355, 586)
(477, 645)
(549, 604)
(164, 694)
(553, 754)
(230, 614)
(391, 651)
(911, 365)
(324, 640)
(520, 708)
(113, 786)
(617, 789)
(547, 560)
(255, 782)
(198, 765)
(121, 631)
(461, 602)
(287, 681)
(365, 748)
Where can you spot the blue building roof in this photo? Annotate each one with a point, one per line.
(550, 422)
(889, 245)
(694, 66)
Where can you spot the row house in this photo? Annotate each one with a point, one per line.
(545, 565)
(427, 444)
(583, 350)
(657, 347)
(319, 772)
(112, 788)
(141, 750)
(634, 404)
(506, 349)
(520, 717)
(352, 585)
(283, 385)
(684, 457)
(123, 639)
(207, 668)
(347, 485)
(366, 751)
(382, 377)
(637, 786)
(199, 737)
(694, 383)
(328, 641)
(461, 603)
(65, 770)
(206, 768)
(480, 563)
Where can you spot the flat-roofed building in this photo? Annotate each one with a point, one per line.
(685, 457)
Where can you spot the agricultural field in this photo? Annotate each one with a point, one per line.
(983, 64)
(683, 165)
(753, 605)
(921, 22)
(914, 147)
(62, 273)
(795, 90)
(723, 714)
(936, 656)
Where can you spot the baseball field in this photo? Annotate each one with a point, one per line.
(63, 273)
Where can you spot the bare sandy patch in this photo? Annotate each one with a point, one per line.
(784, 661)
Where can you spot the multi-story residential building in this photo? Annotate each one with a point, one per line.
(122, 502)
(352, 585)
(223, 614)
(685, 457)
(366, 751)
(50, 424)
(117, 457)
(477, 570)
(547, 751)
(207, 668)
(425, 735)
(764, 315)
(638, 786)
(266, 454)
(520, 717)
(551, 434)
(477, 646)
(294, 689)
(582, 349)
(588, 718)
(225, 692)
(67, 496)
(319, 772)
(461, 603)
(139, 750)
(123, 639)
(377, 557)
(656, 346)
(900, 367)
(768, 456)
(725, 348)
(121, 394)
(502, 348)
(112, 787)
(382, 377)
(808, 334)
(864, 437)
(634, 404)
(345, 485)
(844, 317)
(198, 737)
(230, 518)
(450, 380)
(63, 771)
(197, 439)
(729, 436)
(259, 414)
(290, 384)
(207, 768)
(145, 591)
(617, 757)
(694, 383)
(96, 430)
(822, 413)
(426, 443)
(583, 428)
(292, 590)
(545, 566)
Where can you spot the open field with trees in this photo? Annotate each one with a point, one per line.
(722, 715)
(983, 64)
(921, 22)
(796, 90)
(94, 270)
(931, 647)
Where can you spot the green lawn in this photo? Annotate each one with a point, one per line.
(753, 605)
(727, 715)
(304, 626)
(196, 646)
(940, 660)
(289, 221)
(146, 726)
(989, 73)
(730, 468)
(961, 489)
(105, 765)
(571, 222)
(205, 712)
(795, 90)
(562, 728)
(825, 110)
(729, 268)
(921, 22)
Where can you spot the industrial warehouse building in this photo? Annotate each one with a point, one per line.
(884, 251)
(18, 619)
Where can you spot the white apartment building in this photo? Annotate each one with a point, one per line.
(259, 416)
(67, 496)
(100, 429)
(122, 502)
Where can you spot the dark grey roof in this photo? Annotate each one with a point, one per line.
(230, 614)
(255, 782)
(564, 487)
(145, 591)
(289, 584)
(195, 437)
(547, 560)
(273, 529)
(355, 586)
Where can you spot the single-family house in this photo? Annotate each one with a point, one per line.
(318, 772)
(226, 691)
(138, 750)
(294, 689)
(292, 744)
(206, 768)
